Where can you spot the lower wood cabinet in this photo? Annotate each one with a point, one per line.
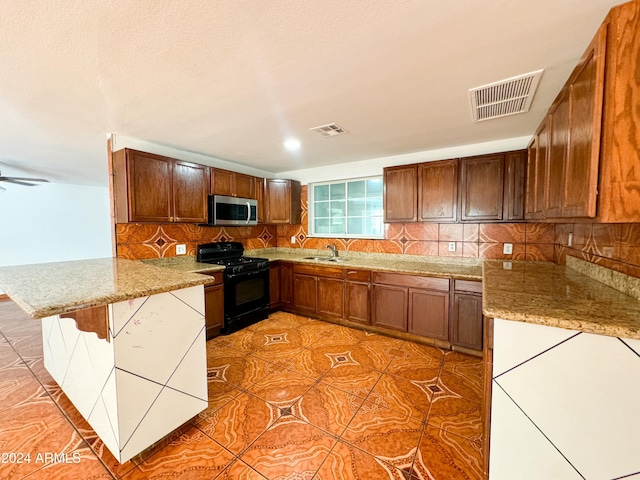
(274, 285)
(357, 296)
(330, 297)
(286, 283)
(466, 318)
(214, 306)
(318, 291)
(410, 303)
(305, 295)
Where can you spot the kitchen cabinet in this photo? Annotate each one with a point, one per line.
(556, 160)
(282, 201)
(154, 188)
(414, 304)
(190, 183)
(318, 291)
(214, 305)
(536, 165)
(357, 296)
(232, 184)
(400, 193)
(274, 285)
(258, 188)
(286, 284)
(466, 319)
(438, 191)
(492, 187)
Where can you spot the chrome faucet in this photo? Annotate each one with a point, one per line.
(334, 250)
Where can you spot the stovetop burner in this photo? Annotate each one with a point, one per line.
(230, 255)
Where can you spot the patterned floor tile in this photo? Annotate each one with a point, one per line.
(239, 470)
(307, 362)
(87, 468)
(241, 371)
(218, 397)
(442, 454)
(416, 362)
(381, 431)
(402, 395)
(240, 340)
(346, 462)
(282, 386)
(192, 456)
(289, 450)
(379, 350)
(352, 378)
(237, 424)
(17, 385)
(329, 408)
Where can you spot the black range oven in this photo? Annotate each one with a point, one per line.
(246, 283)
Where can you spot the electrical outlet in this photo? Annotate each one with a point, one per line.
(507, 249)
(452, 246)
(570, 240)
(181, 249)
(293, 239)
(507, 265)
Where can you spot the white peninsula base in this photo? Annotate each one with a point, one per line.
(564, 404)
(142, 382)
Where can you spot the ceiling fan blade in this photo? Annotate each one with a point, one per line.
(18, 182)
(25, 179)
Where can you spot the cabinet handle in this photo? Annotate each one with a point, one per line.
(349, 272)
(248, 212)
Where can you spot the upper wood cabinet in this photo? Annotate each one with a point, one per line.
(438, 191)
(282, 201)
(536, 165)
(400, 194)
(190, 184)
(492, 187)
(482, 188)
(153, 188)
(232, 184)
(557, 158)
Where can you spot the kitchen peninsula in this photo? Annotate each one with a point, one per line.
(124, 340)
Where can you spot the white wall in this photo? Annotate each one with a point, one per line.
(53, 222)
(374, 166)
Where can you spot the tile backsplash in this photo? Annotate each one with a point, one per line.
(611, 245)
(531, 241)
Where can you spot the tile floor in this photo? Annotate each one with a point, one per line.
(289, 398)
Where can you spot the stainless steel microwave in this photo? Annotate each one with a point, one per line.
(225, 210)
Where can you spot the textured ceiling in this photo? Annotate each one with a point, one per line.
(232, 79)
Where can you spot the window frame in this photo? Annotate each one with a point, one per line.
(311, 209)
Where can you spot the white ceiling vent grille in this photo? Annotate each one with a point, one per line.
(506, 97)
(329, 130)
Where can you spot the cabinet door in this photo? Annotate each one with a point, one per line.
(559, 138)
(358, 302)
(214, 309)
(330, 298)
(429, 313)
(274, 285)
(482, 183)
(149, 187)
(438, 191)
(389, 307)
(400, 194)
(243, 186)
(514, 166)
(190, 190)
(467, 321)
(305, 293)
(278, 201)
(586, 97)
(286, 283)
(258, 189)
(222, 182)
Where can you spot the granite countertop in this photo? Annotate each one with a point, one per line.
(48, 289)
(558, 296)
(444, 267)
(186, 263)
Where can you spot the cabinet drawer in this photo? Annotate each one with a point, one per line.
(358, 276)
(468, 286)
(329, 272)
(430, 283)
(216, 275)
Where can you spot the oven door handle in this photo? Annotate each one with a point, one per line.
(253, 273)
(248, 212)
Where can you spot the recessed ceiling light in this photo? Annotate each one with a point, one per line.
(292, 144)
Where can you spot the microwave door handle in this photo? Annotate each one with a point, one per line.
(248, 212)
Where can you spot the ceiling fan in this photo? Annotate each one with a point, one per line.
(27, 182)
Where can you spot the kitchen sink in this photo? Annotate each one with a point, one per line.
(327, 259)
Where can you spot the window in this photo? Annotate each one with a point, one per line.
(347, 209)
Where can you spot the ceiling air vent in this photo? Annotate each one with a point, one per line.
(506, 97)
(329, 130)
